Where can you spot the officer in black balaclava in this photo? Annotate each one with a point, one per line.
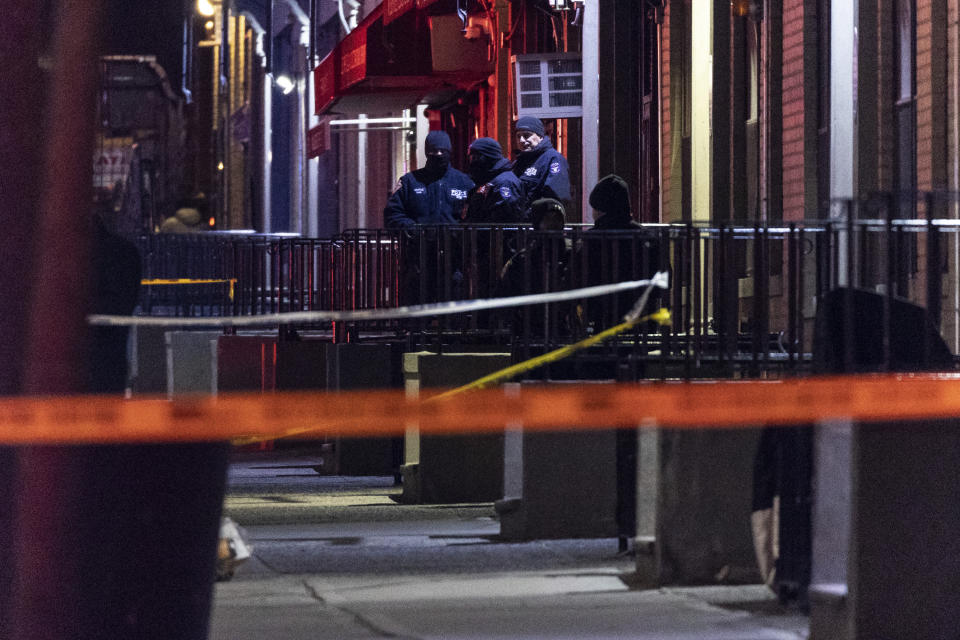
(498, 194)
(434, 194)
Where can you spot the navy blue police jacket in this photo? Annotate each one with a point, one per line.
(419, 199)
(544, 173)
(500, 199)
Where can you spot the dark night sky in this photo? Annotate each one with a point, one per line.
(147, 27)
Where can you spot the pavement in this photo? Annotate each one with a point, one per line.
(339, 558)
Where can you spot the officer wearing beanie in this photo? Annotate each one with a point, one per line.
(543, 171)
(611, 199)
(498, 194)
(434, 194)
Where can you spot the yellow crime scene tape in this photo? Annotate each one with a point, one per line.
(169, 281)
(661, 316)
(632, 319)
(713, 404)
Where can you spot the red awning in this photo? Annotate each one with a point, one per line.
(379, 67)
(325, 82)
(393, 9)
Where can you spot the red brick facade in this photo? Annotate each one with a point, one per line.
(937, 138)
(793, 112)
(924, 97)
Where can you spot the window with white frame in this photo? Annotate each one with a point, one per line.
(549, 85)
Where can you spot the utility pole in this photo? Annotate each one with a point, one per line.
(20, 164)
(109, 541)
(45, 561)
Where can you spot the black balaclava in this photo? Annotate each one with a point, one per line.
(485, 153)
(437, 165)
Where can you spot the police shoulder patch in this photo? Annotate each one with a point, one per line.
(554, 167)
(505, 191)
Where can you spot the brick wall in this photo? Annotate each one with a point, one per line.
(949, 328)
(924, 98)
(793, 116)
(666, 143)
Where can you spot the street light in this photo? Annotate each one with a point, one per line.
(205, 8)
(285, 83)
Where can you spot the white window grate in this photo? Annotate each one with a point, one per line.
(549, 85)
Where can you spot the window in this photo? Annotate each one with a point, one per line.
(549, 85)
(823, 109)
(905, 113)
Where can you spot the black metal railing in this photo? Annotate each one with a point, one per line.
(743, 299)
(218, 274)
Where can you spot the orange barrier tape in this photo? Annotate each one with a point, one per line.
(164, 281)
(714, 404)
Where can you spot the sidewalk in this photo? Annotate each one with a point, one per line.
(531, 605)
(451, 579)
(338, 559)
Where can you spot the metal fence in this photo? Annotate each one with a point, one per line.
(218, 274)
(743, 300)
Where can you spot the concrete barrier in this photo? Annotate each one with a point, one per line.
(559, 485)
(148, 360)
(259, 361)
(694, 504)
(449, 469)
(318, 364)
(191, 361)
(894, 570)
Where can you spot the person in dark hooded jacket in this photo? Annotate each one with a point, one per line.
(115, 289)
(618, 257)
(611, 199)
(498, 194)
(620, 251)
(434, 194)
(543, 171)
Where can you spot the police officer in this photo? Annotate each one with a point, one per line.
(434, 194)
(498, 194)
(543, 171)
(497, 198)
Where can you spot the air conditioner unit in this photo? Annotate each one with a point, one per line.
(549, 85)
